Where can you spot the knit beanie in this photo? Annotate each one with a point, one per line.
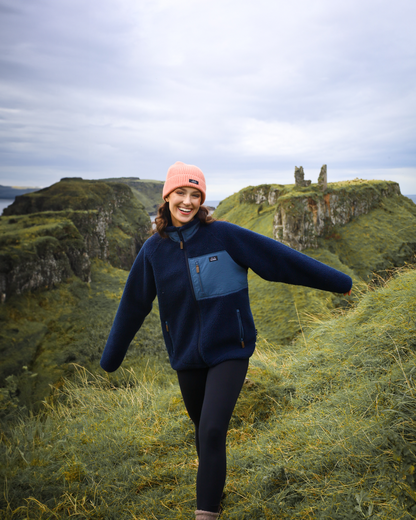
(181, 174)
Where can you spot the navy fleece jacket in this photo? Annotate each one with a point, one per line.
(199, 275)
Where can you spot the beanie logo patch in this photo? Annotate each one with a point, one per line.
(213, 258)
(193, 181)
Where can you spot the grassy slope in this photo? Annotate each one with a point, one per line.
(46, 331)
(324, 429)
(383, 238)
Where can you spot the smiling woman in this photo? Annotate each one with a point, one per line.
(199, 274)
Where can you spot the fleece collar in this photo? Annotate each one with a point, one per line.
(187, 231)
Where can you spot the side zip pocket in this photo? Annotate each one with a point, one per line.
(240, 324)
(170, 337)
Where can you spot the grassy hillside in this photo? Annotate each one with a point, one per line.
(44, 331)
(324, 429)
(148, 192)
(380, 240)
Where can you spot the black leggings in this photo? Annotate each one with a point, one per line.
(210, 395)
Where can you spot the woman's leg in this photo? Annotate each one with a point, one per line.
(223, 386)
(192, 385)
(210, 396)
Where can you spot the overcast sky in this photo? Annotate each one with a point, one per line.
(244, 89)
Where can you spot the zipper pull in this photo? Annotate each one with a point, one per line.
(197, 268)
(167, 327)
(181, 244)
(242, 345)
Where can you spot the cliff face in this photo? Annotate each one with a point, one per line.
(48, 236)
(148, 192)
(305, 214)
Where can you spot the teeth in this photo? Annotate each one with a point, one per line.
(185, 210)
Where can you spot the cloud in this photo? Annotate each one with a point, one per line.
(243, 89)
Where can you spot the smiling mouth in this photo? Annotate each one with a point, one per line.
(185, 211)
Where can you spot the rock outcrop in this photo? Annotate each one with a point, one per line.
(306, 213)
(323, 178)
(50, 235)
(301, 219)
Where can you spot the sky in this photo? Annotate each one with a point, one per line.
(244, 89)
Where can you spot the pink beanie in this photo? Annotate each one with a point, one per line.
(181, 174)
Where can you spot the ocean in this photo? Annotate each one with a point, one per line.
(4, 203)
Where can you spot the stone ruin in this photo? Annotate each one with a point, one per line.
(322, 179)
(300, 178)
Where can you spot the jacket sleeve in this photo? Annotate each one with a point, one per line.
(135, 305)
(276, 262)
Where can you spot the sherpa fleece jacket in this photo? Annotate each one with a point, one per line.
(199, 275)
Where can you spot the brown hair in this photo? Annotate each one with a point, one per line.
(163, 218)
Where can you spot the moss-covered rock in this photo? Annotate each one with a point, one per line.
(47, 236)
(305, 214)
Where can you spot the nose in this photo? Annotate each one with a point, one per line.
(187, 199)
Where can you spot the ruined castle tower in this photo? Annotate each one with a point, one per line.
(322, 179)
(300, 177)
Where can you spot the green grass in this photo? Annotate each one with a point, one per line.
(46, 331)
(26, 237)
(324, 429)
(382, 239)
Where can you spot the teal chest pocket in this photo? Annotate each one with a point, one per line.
(216, 274)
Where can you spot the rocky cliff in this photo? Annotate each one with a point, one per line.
(149, 192)
(49, 235)
(305, 214)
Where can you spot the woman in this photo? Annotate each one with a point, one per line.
(197, 267)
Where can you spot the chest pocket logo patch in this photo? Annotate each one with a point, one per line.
(216, 275)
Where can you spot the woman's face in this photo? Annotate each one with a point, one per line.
(184, 204)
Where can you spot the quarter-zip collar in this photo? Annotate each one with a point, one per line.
(187, 231)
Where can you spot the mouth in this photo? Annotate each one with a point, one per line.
(185, 211)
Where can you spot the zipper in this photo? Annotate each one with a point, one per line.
(198, 271)
(240, 323)
(170, 337)
(182, 246)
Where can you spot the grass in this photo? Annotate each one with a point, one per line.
(324, 428)
(46, 331)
